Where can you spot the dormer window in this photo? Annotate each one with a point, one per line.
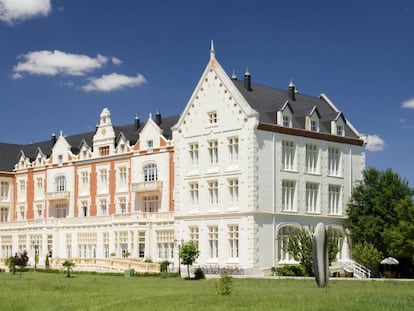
(286, 121)
(104, 151)
(212, 117)
(314, 126)
(339, 130)
(150, 144)
(60, 159)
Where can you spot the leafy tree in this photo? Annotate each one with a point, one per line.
(366, 254)
(372, 206)
(400, 238)
(189, 252)
(69, 266)
(299, 245)
(21, 260)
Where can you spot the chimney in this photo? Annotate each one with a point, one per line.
(53, 139)
(292, 91)
(158, 117)
(137, 122)
(247, 81)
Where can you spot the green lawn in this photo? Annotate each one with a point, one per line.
(44, 291)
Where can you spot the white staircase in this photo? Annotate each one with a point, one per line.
(358, 271)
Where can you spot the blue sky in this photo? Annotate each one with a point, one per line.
(63, 61)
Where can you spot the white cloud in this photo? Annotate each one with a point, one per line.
(116, 61)
(16, 76)
(375, 143)
(112, 82)
(19, 10)
(56, 62)
(408, 103)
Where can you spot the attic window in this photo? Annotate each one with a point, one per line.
(104, 151)
(212, 117)
(150, 144)
(286, 121)
(339, 130)
(314, 126)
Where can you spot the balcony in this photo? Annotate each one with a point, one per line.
(147, 186)
(57, 195)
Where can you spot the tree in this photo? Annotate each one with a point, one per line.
(189, 252)
(299, 245)
(21, 260)
(69, 266)
(400, 238)
(372, 207)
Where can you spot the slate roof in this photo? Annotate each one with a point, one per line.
(10, 153)
(268, 101)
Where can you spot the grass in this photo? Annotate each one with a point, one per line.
(45, 291)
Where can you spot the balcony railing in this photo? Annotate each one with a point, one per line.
(146, 186)
(58, 195)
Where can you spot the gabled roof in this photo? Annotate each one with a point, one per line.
(267, 101)
(9, 153)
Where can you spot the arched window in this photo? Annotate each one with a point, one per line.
(150, 172)
(283, 239)
(60, 183)
(338, 235)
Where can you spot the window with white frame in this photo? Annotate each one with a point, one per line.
(286, 121)
(150, 144)
(233, 145)
(85, 180)
(213, 192)
(233, 185)
(105, 236)
(103, 179)
(334, 198)
(22, 242)
(150, 172)
(193, 150)
(103, 207)
(122, 175)
(84, 208)
(22, 190)
(4, 191)
(60, 210)
(165, 244)
(87, 245)
(194, 193)
(288, 155)
(141, 244)
(334, 157)
(151, 203)
(194, 234)
(283, 241)
(338, 237)
(39, 187)
(314, 126)
(288, 195)
(60, 183)
(122, 205)
(121, 243)
(6, 246)
(213, 152)
(311, 158)
(22, 212)
(212, 117)
(68, 245)
(39, 211)
(213, 241)
(339, 130)
(234, 241)
(4, 214)
(312, 190)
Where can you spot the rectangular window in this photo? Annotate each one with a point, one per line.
(4, 191)
(22, 242)
(39, 187)
(233, 145)
(68, 245)
(311, 158)
(286, 121)
(234, 190)
(212, 117)
(312, 197)
(193, 149)
(334, 161)
(106, 244)
(103, 178)
(85, 180)
(151, 203)
(87, 245)
(339, 130)
(103, 207)
(314, 126)
(150, 144)
(213, 241)
(288, 195)
(334, 199)
(123, 175)
(61, 210)
(4, 214)
(122, 205)
(213, 192)
(194, 193)
(234, 241)
(288, 155)
(194, 234)
(39, 211)
(165, 244)
(6, 246)
(104, 151)
(141, 244)
(84, 208)
(213, 152)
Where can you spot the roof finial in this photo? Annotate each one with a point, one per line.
(291, 84)
(247, 73)
(212, 51)
(234, 76)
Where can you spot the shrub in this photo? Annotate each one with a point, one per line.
(289, 270)
(199, 274)
(224, 285)
(164, 266)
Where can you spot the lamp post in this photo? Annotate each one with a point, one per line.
(179, 251)
(36, 257)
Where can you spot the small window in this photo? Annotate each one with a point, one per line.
(339, 130)
(286, 121)
(314, 126)
(60, 159)
(104, 151)
(212, 117)
(150, 144)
